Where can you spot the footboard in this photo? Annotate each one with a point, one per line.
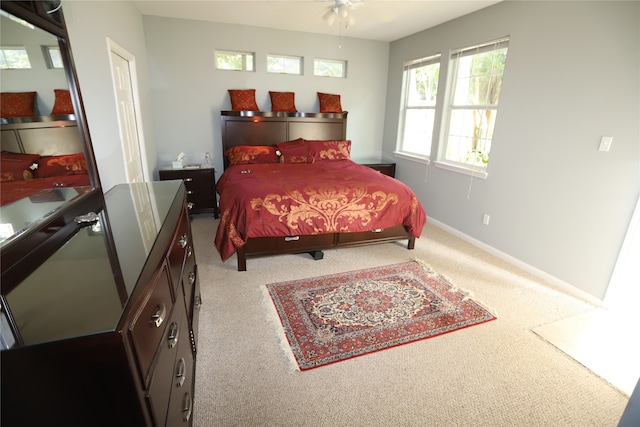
(264, 246)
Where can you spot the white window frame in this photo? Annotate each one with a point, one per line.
(453, 106)
(53, 57)
(287, 62)
(404, 147)
(248, 60)
(320, 61)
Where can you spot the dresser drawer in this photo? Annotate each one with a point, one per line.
(193, 300)
(180, 407)
(176, 338)
(151, 321)
(180, 247)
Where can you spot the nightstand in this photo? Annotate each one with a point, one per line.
(385, 168)
(200, 183)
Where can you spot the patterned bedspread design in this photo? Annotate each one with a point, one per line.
(269, 200)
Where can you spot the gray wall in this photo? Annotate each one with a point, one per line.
(189, 93)
(89, 24)
(572, 76)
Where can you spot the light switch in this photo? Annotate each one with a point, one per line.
(605, 143)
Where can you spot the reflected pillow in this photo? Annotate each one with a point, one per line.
(63, 103)
(283, 101)
(248, 154)
(71, 164)
(329, 103)
(329, 150)
(18, 104)
(243, 99)
(295, 151)
(16, 169)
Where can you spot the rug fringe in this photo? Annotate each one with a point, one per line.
(454, 287)
(273, 319)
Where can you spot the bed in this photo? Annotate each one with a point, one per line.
(38, 154)
(289, 186)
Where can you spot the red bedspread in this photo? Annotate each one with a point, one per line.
(15, 190)
(270, 200)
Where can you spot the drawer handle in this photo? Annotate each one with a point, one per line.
(173, 335)
(187, 405)
(189, 192)
(182, 368)
(190, 205)
(192, 278)
(378, 230)
(183, 241)
(188, 179)
(197, 302)
(158, 317)
(291, 238)
(189, 251)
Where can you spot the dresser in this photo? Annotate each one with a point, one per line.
(201, 187)
(105, 331)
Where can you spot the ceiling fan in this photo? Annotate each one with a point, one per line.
(342, 9)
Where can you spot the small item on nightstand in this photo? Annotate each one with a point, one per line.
(207, 159)
(179, 162)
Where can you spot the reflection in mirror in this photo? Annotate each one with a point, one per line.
(42, 150)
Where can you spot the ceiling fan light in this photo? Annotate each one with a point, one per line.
(350, 22)
(343, 11)
(329, 17)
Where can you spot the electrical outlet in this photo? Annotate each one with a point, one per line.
(605, 143)
(485, 219)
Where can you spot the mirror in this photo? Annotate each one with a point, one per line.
(47, 163)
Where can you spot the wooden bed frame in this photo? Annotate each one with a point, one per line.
(270, 128)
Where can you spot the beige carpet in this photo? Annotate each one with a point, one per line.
(500, 374)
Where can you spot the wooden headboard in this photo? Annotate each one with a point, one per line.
(270, 128)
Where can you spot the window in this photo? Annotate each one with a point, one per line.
(52, 56)
(14, 58)
(420, 82)
(282, 64)
(237, 61)
(476, 80)
(329, 68)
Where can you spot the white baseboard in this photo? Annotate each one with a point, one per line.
(556, 283)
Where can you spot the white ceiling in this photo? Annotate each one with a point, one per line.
(381, 20)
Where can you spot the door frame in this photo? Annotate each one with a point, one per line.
(113, 47)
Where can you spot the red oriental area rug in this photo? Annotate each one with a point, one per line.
(336, 317)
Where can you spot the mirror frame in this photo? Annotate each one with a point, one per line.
(23, 254)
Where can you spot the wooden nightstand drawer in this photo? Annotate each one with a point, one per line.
(385, 168)
(201, 187)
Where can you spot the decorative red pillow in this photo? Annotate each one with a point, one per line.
(247, 154)
(329, 103)
(329, 150)
(16, 169)
(295, 151)
(63, 103)
(18, 104)
(283, 101)
(71, 164)
(243, 99)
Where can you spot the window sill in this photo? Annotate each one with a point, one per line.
(413, 157)
(476, 173)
